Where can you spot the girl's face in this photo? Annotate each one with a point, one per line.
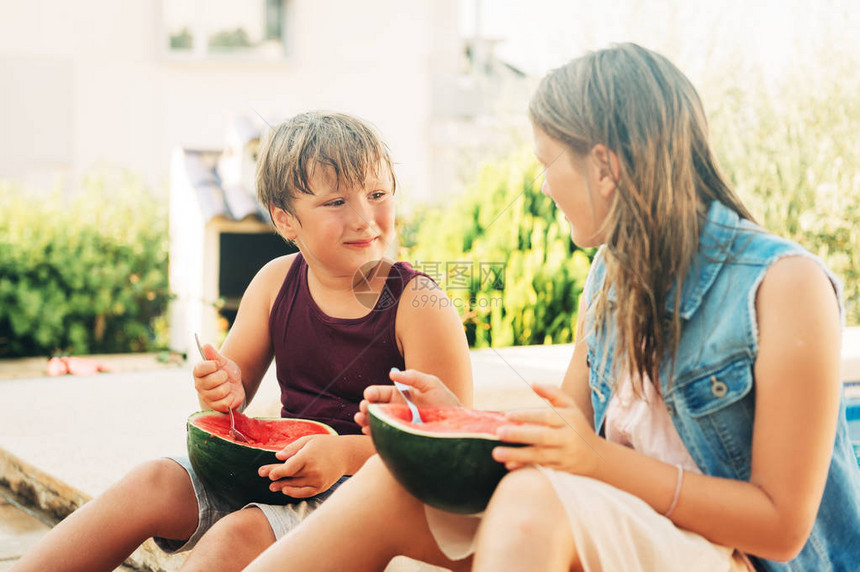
(338, 230)
(577, 185)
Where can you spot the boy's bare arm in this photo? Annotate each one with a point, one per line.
(248, 343)
(357, 449)
(431, 337)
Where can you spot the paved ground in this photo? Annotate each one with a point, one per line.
(20, 528)
(64, 440)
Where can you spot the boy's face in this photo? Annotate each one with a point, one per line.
(339, 229)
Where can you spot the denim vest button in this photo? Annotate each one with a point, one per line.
(718, 388)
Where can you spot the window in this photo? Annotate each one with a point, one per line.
(224, 28)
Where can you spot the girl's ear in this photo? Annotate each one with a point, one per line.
(285, 222)
(608, 169)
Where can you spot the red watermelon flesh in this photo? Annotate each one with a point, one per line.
(271, 435)
(451, 419)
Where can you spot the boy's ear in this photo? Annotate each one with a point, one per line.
(285, 222)
(608, 168)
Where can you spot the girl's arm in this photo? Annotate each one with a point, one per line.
(797, 399)
(797, 403)
(431, 337)
(575, 383)
(574, 393)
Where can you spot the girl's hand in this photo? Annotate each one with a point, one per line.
(312, 464)
(559, 438)
(426, 390)
(218, 381)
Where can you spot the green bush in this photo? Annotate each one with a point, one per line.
(83, 273)
(503, 253)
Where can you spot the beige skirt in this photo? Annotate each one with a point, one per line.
(612, 530)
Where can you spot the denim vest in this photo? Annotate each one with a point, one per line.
(711, 399)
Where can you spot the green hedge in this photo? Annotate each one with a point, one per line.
(83, 273)
(503, 253)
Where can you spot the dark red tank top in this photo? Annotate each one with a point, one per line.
(325, 363)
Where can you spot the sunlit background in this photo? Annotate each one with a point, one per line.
(771, 34)
(130, 129)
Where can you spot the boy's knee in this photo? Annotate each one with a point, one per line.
(161, 482)
(157, 475)
(159, 495)
(247, 526)
(232, 542)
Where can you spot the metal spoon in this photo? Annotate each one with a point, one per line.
(234, 433)
(406, 393)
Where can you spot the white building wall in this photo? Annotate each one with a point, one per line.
(88, 82)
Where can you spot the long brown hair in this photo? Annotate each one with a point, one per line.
(642, 108)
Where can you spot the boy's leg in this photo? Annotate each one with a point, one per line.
(237, 538)
(154, 499)
(525, 527)
(232, 543)
(368, 521)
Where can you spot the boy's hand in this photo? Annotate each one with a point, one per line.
(426, 390)
(311, 465)
(218, 381)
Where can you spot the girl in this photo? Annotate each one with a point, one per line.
(700, 424)
(336, 316)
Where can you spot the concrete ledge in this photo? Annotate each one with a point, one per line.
(55, 500)
(37, 488)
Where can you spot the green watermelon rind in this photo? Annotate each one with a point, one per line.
(230, 469)
(454, 472)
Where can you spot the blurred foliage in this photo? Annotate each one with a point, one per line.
(792, 151)
(503, 254)
(182, 40)
(84, 272)
(229, 39)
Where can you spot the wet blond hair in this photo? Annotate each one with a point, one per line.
(644, 110)
(348, 146)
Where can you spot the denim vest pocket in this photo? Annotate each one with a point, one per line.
(720, 405)
(717, 388)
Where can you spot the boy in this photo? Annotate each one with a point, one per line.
(336, 316)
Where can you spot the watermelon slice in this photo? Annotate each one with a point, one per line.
(445, 462)
(229, 467)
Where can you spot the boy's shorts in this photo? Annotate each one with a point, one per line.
(211, 508)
